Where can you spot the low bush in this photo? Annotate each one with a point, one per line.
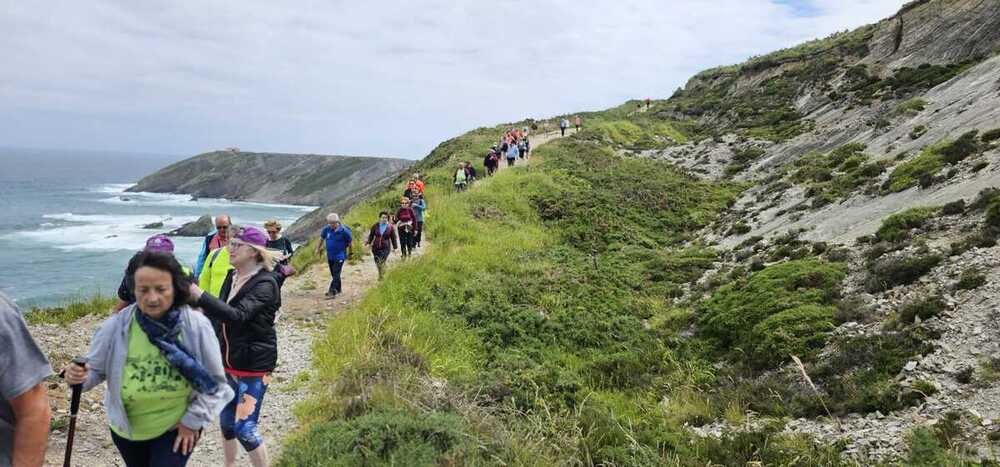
(732, 313)
(887, 273)
(911, 106)
(383, 438)
(960, 149)
(909, 173)
(924, 308)
(980, 239)
(897, 226)
(970, 279)
(799, 331)
(990, 136)
(918, 131)
(954, 207)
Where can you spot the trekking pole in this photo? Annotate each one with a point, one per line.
(74, 407)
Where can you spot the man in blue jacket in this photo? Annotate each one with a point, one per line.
(337, 239)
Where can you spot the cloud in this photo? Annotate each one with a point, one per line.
(384, 78)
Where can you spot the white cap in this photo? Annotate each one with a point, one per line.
(332, 217)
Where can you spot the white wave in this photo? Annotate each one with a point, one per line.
(111, 232)
(112, 187)
(174, 200)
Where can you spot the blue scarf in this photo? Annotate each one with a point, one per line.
(164, 334)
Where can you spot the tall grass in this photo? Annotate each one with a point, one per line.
(72, 310)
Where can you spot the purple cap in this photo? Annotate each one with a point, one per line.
(159, 244)
(252, 235)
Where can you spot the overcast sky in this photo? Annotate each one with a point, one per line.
(361, 78)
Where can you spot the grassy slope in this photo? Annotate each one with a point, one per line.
(539, 328)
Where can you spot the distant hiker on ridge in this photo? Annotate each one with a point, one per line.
(276, 242)
(419, 205)
(491, 161)
(579, 123)
(563, 125)
(461, 177)
(337, 239)
(382, 240)
(406, 225)
(512, 153)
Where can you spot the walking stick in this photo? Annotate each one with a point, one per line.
(74, 407)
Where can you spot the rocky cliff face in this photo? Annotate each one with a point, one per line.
(305, 179)
(879, 146)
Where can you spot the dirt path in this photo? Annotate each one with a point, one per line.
(304, 313)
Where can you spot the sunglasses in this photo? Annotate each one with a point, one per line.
(222, 227)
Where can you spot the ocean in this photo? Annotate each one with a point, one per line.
(67, 229)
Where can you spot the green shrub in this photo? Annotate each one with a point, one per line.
(382, 438)
(970, 279)
(960, 149)
(732, 312)
(911, 107)
(926, 450)
(954, 207)
(897, 226)
(799, 331)
(918, 131)
(992, 218)
(73, 310)
(887, 273)
(990, 136)
(925, 308)
(979, 239)
(909, 173)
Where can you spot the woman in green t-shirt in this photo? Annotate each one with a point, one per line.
(163, 367)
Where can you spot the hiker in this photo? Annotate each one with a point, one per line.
(215, 264)
(491, 161)
(337, 239)
(578, 122)
(419, 182)
(243, 316)
(419, 205)
(213, 241)
(406, 224)
(471, 170)
(411, 189)
(563, 125)
(283, 270)
(158, 243)
(522, 148)
(527, 147)
(512, 153)
(649, 102)
(25, 416)
(162, 364)
(461, 177)
(382, 239)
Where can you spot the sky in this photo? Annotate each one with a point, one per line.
(384, 78)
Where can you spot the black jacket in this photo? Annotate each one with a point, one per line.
(245, 325)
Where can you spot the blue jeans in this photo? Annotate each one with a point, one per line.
(335, 267)
(156, 452)
(247, 402)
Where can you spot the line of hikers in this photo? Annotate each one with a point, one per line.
(512, 145)
(182, 346)
(564, 124)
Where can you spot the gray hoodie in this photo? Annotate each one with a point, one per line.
(107, 355)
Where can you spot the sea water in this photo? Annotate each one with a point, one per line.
(67, 228)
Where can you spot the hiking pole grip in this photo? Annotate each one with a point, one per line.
(74, 408)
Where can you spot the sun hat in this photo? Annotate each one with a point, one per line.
(257, 239)
(159, 243)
